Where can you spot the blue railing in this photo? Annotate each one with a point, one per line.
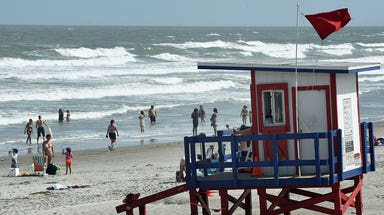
(197, 174)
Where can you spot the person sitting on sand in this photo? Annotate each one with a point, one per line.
(68, 159)
(111, 133)
(180, 176)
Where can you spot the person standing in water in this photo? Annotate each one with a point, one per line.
(152, 113)
(61, 115)
(111, 133)
(29, 130)
(40, 128)
(214, 121)
(141, 121)
(202, 114)
(68, 116)
(195, 121)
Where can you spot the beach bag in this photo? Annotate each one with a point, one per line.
(51, 169)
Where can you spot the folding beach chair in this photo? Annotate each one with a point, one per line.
(38, 163)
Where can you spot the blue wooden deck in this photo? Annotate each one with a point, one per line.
(232, 178)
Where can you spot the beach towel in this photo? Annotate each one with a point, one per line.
(64, 187)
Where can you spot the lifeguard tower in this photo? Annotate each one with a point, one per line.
(308, 145)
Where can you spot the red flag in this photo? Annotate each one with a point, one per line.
(329, 22)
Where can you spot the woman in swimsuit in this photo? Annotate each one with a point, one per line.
(28, 130)
(48, 150)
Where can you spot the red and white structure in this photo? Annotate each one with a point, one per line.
(307, 142)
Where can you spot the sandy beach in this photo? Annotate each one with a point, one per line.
(145, 169)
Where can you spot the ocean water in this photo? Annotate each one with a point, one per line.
(103, 73)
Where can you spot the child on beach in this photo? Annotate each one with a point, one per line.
(28, 130)
(68, 159)
(141, 121)
(13, 154)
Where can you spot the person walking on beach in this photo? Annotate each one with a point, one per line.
(48, 151)
(214, 121)
(141, 121)
(61, 114)
(202, 114)
(244, 114)
(40, 128)
(152, 113)
(195, 121)
(28, 130)
(111, 133)
(68, 159)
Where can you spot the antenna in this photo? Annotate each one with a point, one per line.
(296, 84)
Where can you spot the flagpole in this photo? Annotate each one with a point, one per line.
(296, 84)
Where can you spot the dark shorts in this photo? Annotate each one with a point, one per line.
(40, 132)
(153, 118)
(195, 123)
(112, 136)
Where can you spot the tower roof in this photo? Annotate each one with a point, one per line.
(317, 67)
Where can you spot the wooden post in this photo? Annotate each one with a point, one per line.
(359, 197)
(262, 200)
(193, 200)
(336, 189)
(142, 210)
(224, 201)
(248, 203)
(204, 201)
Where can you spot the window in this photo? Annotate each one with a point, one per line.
(273, 107)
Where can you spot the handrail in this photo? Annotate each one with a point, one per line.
(334, 162)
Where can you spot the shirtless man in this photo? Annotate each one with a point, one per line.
(152, 113)
(48, 151)
(40, 128)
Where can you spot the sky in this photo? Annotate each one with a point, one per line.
(182, 12)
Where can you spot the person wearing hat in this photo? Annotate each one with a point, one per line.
(68, 159)
(13, 154)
